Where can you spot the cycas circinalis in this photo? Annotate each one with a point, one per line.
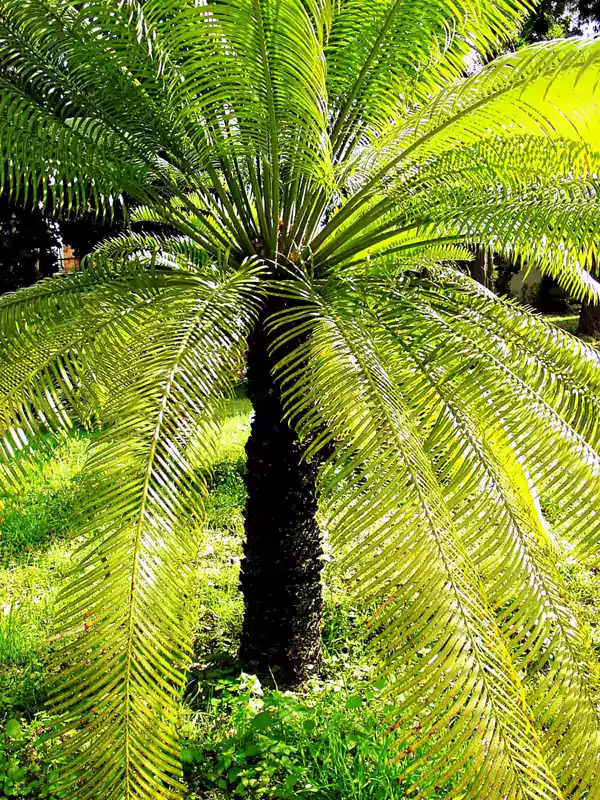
(324, 164)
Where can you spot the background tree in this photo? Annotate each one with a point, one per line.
(84, 231)
(31, 242)
(481, 266)
(550, 19)
(325, 166)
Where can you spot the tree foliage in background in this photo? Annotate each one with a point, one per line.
(551, 19)
(332, 158)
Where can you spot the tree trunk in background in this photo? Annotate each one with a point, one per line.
(589, 319)
(589, 316)
(281, 571)
(29, 245)
(482, 267)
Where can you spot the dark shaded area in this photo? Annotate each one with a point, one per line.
(482, 267)
(552, 298)
(85, 231)
(280, 573)
(504, 269)
(589, 316)
(29, 245)
(31, 241)
(589, 319)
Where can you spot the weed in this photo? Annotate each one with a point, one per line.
(25, 767)
(324, 743)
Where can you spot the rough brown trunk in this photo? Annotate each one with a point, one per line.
(281, 569)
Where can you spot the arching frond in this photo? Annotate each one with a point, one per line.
(422, 256)
(531, 107)
(555, 378)
(61, 123)
(538, 90)
(458, 450)
(51, 333)
(152, 251)
(336, 139)
(127, 603)
(40, 374)
(563, 369)
(495, 507)
(395, 524)
(227, 100)
(552, 226)
(383, 57)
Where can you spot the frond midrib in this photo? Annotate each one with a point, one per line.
(195, 320)
(449, 571)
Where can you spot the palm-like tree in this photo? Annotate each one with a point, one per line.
(324, 164)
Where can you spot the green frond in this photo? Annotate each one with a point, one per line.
(517, 120)
(562, 368)
(552, 227)
(339, 140)
(545, 89)
(422, 256)
(265, 62)
(150, 251)
(495, 509)
(552, 224)
(227, 100)
(128, 604)
(452, 675)
(126, 611)
(383, 57)
(255, 72)
(61, 128)
(58, 339)
(31, 166)
(47, 329)
(72, 123)
(542, 370)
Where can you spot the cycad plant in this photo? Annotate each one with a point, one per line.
(322, 168)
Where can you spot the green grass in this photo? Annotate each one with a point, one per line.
(327, 741)
(35, 550)
(570, 323)
(567, 322)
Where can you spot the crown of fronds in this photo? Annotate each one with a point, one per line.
(331, 152)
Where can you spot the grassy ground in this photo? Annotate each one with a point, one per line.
(238, 739)
(568, 322)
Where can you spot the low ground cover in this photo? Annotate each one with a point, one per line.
(239, 739)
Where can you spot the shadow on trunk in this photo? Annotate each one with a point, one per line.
(281, 570)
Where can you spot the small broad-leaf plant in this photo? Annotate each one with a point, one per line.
(322, 169)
